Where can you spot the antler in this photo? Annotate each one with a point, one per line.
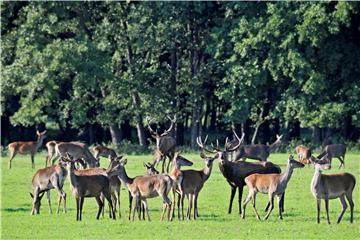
(202, 145)
(149, 121)
(173, 121)
(240, 141)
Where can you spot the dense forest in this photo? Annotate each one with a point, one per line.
(95, 71)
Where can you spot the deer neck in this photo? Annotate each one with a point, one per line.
(72, 177)
(39, 143)
(315, 181)
(125, 178)
(273, 146)
(285, 177)
(207, 171)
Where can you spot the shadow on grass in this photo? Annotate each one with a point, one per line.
(20, 209)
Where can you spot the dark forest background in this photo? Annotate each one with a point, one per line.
(95, 70)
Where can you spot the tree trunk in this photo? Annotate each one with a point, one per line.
(126, 129)
(195, 124)
(173, 80)
(180, 133)
(139, 120)
(213, 116)
(116, 134)
(316, 135)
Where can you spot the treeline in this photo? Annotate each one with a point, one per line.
(96, 70)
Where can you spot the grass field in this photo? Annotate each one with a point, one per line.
(299, 217)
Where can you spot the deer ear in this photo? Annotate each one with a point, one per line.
(145, 165)
(31, 195)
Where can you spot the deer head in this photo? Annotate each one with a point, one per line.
(36, 203)
(323, 163)
(150, 169)
(293, 163)
(221, 154)
(157, 135)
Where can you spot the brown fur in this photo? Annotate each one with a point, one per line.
(102, 151)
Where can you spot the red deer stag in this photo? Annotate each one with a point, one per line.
(272, 184)
(257, 151)
(165, 145)
(46, 179)
(236, 172)
(102, 151)
(304, 154)
(88, 186)
(26, 148)
(332, 186)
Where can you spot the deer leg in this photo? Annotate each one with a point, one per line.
(12, 155)
(32, 161)
(318, 204)
(191, 197)
(48, 200)
(247, 200)
(342, 163)
(196, 214)
(64, 197)
(182, 205)
(327, 209)
(282, 201)
(232, 195)
(146, 208)
(136, 203)
(130, 204)
(109, 200)
(351, 203)
(253, 203)
(344, 206)
(271, 200)
(118, 199)
(102, 198)
(59, 202)
(100, 204)
(240, 196)
(77, 208)
(280, 210)
(163, 164)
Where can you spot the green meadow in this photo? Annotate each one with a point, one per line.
(214, 222)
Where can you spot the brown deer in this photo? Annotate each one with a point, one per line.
(257, 151)
(336, 150)
(102, 151)
(26, 148)
(165, 145)
(272, 184)
(150, 169)
(236, 172)
(44, 180)
(88, 186)
(77, 150)
(332, 186)
(304, 154)
(143, 187)
(192, 183)
(50, 146)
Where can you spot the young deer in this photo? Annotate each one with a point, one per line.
(46, 179)
(165, 145)
(304, 154)
(192, 183)
(257, 151)
(272, 184)
(332, 186)
(338, 151)
(26, 148)
(143, 187)
(102, 151)
(88, 186)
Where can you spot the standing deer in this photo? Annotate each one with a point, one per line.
(77, 150)
(44, 180)
(304, 154)
(272, 184)
(88, 186)
(143, 187)
(236, 172)
(102, 151)
(192, 183)
(257, 151)
(26, 148)
(165, 145)
(336, 150)
(332, 186)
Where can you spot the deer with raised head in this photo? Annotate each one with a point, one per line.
(144, 187)
(46, 179)
(272, 184)
(236, 172)
(177, 176)
(257, 151)
(336, 150)
(192, 183)
(102, 151)
(332, 186)
(304, 154)
(88, 186)
(26, 148)
(165, 145)
(77, 150)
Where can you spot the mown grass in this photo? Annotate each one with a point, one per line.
(214, 223)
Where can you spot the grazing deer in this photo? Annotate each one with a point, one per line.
(272, 184)
(332, 186)
(336, 150)
(143, 187)
(50, 146)
(165, 145)
(177, 176)
(88, 186)
(77, 150)
(26, 148)
(257, 151)
(304, 154)
(192, 183)
(236, 172)
(44, 180)
(102, 151)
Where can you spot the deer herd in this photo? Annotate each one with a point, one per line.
(65, 159)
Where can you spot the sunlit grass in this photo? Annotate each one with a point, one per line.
(214, 222)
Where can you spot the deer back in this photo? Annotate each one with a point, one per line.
(44, 178)
(151, 186)
(166, 144)
(254, 151)
(335, 150)
(91, 185)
